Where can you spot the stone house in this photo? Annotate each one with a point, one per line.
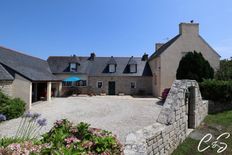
(108, 75)
(164, 62)
(34, 79)
(26, 77)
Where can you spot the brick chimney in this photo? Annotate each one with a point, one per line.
(189, 28)
(158, 45)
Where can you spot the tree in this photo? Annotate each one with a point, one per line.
(193, 66)
(225, 71)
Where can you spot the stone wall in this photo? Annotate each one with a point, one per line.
(22, 88)
(180, 113)
(6, 87)
(122, 84)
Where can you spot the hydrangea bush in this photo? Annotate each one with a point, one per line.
(66, 138)
(63, 138)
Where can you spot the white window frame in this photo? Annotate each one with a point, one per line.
(134, 85)
(135, 68)
(72, 67)
(101, 85)
(112, 68)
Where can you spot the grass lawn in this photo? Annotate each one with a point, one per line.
(216, 125)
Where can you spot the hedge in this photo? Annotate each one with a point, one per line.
(11, 108)
(216, 90)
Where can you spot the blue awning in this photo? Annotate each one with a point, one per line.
(72, 79)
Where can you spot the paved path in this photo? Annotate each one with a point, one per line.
(119, 114)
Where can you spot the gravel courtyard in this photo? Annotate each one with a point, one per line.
(119, 114)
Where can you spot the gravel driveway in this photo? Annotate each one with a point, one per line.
(119, 114)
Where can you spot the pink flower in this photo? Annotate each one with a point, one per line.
(15, 147)
(87, 144)
(71, 140)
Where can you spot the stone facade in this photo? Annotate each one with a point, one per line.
(6, 87)
(22, 88)
(143, 84)
(183, 109)
(167, 62)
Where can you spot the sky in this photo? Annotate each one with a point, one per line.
(45, 28)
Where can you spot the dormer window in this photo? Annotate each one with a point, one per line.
(112, 65)
(132, 64)
(133, 68)
(112, 68)
(73, 67)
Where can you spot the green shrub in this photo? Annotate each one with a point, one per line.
(11, 108)
(225, 71)
(193, 66)
(216, 90)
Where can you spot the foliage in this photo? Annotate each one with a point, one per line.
(80, 139)
(29, 126)
(5, 141)
(11, 108)
(165, 94)
(193, 66)
(225, 71)
(24, 148)
(216, 90)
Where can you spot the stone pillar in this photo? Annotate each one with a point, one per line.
(60, 89)
(49, 91)
(30, 97)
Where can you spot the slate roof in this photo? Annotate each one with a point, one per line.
(112, 61)
(4, 74)
(132, 61)
(100, 66)
(164, 47)
(60, 64)
(32, 68)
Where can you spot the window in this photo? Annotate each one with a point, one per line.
(99, 84)
(112, 68)
(133, 85)
(73, 67)
(133, 68)
(66, 84)
(74, 84)
(81, 83)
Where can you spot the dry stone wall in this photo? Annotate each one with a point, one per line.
(183, 109)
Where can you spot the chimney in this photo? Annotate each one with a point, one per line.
(145, 57)
(158, 45)
(189, 28)
(92, 56)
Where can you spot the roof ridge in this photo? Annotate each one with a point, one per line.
(164, 47)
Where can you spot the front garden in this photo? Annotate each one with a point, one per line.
(63, 138)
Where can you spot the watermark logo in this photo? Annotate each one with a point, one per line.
(217, 144)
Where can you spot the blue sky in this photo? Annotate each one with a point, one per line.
(109, 27)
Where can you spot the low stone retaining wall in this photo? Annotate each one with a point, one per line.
(178, 114)
(216, 106)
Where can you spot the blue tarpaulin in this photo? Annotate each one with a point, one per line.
(72, 79)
